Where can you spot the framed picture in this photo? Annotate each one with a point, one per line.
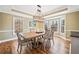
(32, 23)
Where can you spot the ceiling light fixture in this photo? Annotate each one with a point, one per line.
(39, 10)
(39, 6)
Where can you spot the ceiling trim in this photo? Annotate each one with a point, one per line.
(56, 11)
(21, 12)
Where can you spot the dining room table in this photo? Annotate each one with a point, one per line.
(33, 36)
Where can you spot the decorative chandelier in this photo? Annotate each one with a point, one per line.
(39, 10)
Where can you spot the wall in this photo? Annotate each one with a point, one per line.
(72, 23)
(5, 26)
(0, 21)
(8, 9)
(39, 23)
(6, 21)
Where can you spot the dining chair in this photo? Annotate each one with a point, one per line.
(40, 42)
(52, 36)
(53, 29)
(22, 42)
(47, 42)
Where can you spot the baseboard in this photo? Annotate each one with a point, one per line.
(2, 41)
(63, 38)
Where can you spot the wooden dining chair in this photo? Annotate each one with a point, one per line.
(53, 29)
(47, 43)
(52, 36)
(40, 42)
(22, 42)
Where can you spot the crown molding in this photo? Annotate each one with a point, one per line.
(56, 11)
(18, 11)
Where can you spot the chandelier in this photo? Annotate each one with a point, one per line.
(39, 10)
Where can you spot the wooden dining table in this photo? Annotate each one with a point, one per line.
(33, 36)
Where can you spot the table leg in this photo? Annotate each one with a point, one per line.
(34, 45)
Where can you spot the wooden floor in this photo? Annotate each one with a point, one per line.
(60, 47)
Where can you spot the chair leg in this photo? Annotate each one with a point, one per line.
(45, 44)
(20, 48)
(17, 48)
(29, 45)
(53, 41)
(48, 44)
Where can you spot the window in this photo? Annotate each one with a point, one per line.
(32, 23)
(17, 24)
(58, 22)
(62, 25)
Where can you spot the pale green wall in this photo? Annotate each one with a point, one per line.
(0, 21)
(72, 23)
(5, 25)
(5, 21)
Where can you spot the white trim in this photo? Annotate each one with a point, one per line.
(6, 30)
(1, 41)
(21, 12)
(73, 30)
(16, 14)
(55, 17)
(70, 49)
(61, 13)
(64, 38)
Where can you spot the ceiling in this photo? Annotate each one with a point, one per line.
(32, 9)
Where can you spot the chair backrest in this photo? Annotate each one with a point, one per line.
(46, 28)
(53, 29)
(47, 34)
(20, 37)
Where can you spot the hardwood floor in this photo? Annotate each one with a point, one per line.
(60, 47)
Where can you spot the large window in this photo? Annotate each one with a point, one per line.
(17, 24)
(58, 22)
